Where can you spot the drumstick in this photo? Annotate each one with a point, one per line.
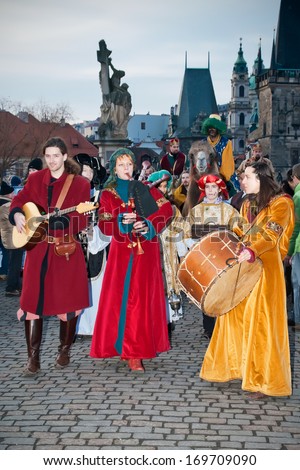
(235, 286)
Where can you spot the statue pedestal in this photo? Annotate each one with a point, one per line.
(108, 146)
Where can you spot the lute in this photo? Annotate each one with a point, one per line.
(36, 223)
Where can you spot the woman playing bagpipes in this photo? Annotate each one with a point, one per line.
(132, 318)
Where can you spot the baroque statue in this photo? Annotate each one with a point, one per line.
(116, 100)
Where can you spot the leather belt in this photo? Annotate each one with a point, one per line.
(57, 240)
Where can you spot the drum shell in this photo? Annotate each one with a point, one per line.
(211, 276)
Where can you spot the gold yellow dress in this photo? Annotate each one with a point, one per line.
(251, 341)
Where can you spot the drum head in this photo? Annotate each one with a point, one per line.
(211, 276)
(232, 286)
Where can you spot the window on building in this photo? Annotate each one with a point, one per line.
(241, 91)
(18, 169)
(242, 119)
(296, 116)
(281, 122)
(241, 144)
(143, 125)
(295, 156)
(74, 142)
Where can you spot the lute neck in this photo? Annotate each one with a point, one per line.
(60, 212)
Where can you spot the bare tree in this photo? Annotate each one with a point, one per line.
(6, 104)
(20, 141)
(46, 113)
(11, 139)
(41, 110)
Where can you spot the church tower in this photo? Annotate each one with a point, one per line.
(239, 110)
(196, 102)
(257, 70)
(278, 91)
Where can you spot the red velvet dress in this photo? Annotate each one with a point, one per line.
(51, 284)
(132, 317)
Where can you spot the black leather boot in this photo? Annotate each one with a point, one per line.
(33, 334)
(66, 335)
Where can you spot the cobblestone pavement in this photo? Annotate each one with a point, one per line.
(100, 404)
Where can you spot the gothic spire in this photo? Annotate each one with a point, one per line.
(258, 66)
(288, 35)
(240, 65)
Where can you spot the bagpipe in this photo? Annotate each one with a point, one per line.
(142, 202)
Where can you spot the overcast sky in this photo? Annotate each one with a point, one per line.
(48, 48)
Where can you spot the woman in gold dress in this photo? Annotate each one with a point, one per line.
(251, 341)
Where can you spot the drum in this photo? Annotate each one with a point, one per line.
(211, 276)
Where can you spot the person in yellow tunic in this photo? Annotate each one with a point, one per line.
(251, 341)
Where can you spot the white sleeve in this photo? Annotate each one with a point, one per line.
(181, 249)
(98, 242)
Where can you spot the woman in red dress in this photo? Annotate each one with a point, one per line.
(132, 318)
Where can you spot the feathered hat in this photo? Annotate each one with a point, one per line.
(212, 179)
(84, 159)
(214, 120)
(94, 163)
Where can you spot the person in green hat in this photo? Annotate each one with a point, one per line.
(214, 128)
